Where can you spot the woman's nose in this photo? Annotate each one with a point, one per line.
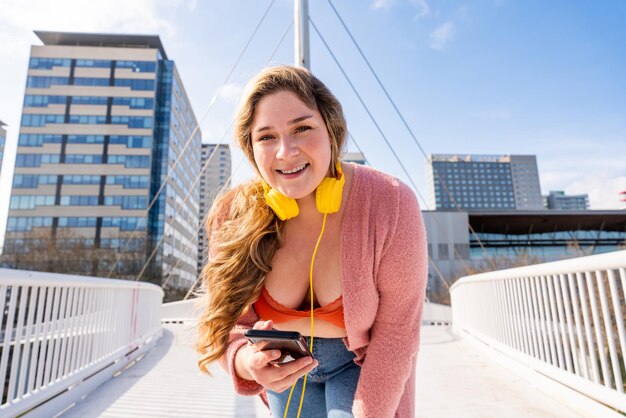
(287, 147)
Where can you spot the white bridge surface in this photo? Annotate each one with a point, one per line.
(455, 378)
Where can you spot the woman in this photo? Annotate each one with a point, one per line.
(366, 282)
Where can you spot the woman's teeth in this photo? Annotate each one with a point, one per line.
(295, 170)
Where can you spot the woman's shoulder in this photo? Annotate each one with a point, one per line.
(370, 181)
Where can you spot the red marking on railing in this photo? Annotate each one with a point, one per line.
(133, 313)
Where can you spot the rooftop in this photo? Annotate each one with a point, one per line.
(102, 39)
(524, 222)
(468, 158)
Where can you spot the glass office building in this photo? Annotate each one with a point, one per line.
(483, 182)
(103, 160)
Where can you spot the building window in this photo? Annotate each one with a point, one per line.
(442, 250)
(41, 120)
(79, 201)
(43, 101)
(81, 179)
(79, 222)
(91, 81)
(30, 202)
(88, 119)
(48, 63)
(134, 102)
(138, 66)
(23, 223)
(93, 63)
(134, 84)
(83, 159)
(85, 139)
(89, 100)
(129, 182)
(132, 121)
(127, 202)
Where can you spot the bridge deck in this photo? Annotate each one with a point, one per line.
(454, 379)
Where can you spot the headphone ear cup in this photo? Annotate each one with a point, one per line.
(329, 192)
(283, 206)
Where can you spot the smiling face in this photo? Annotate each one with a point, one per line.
(291, 144)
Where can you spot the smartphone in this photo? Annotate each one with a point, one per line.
(291, 344)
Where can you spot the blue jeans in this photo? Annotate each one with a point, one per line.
(330, 387)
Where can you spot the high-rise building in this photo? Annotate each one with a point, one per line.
(216, 164)
(558, 200)
(104, 126)
(3, 137)
(354, 157)
(483, 182)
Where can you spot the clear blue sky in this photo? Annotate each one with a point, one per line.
(486, 76)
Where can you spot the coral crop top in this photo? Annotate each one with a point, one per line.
(267, 308)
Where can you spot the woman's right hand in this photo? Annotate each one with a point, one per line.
(253, 364)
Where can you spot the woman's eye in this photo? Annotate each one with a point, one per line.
(264, 138)
(303, 128)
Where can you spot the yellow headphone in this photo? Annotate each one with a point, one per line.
(327, 200)
(327, 197)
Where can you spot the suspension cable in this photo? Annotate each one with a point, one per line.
(406, 125)
(382, 134)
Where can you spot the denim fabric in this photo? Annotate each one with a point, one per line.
(330, 387)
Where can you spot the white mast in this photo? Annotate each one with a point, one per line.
(301, 32)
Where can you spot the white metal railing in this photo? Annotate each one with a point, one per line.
(63, 335)
(565, 319)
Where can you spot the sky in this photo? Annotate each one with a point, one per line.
(468, 77)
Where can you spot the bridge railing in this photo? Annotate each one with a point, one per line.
(61, 336)
(565, 319)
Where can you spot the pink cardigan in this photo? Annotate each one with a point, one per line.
(384, 266)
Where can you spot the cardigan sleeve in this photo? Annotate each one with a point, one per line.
(394, 337)
(235, 342)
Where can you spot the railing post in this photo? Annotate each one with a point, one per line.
(608, 328)
(617, 310)
(598, 329)
(558, 338)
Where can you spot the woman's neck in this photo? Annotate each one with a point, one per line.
(309, 217)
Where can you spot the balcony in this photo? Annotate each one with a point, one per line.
(539, 341)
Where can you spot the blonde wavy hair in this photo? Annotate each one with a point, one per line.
(244, 233)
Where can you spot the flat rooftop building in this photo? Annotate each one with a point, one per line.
(483, 182)
(102, 162)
